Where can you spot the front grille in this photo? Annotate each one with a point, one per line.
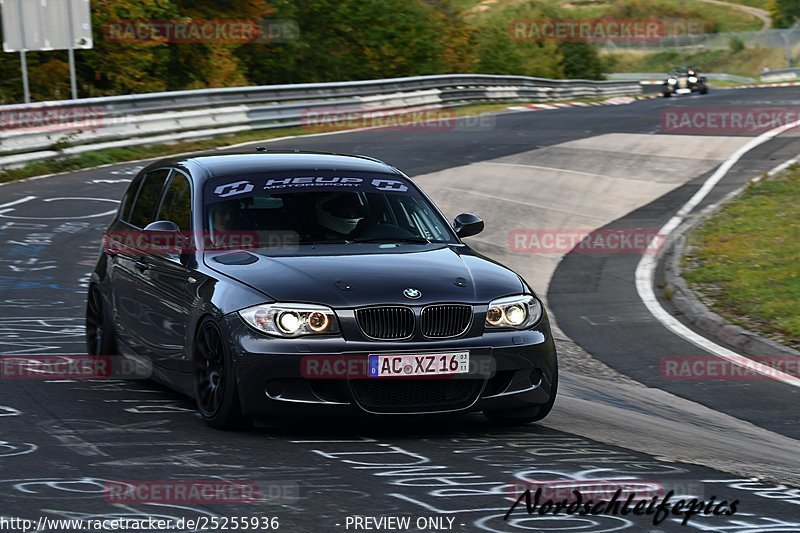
(387, 323)
(401, 395)
(441, 321)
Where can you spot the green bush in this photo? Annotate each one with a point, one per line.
(736, 45)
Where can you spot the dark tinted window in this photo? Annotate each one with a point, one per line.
(130, 195)
(148, 199)
(177, 204)
(301, 207)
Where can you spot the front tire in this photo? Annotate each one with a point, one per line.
(214, 378)
(525, 415)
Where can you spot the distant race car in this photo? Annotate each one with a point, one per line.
(684, 81)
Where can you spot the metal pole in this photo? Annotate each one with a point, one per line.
(25, 88)
(73, 83)
(23, 60)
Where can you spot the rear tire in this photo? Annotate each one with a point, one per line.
(214, 378)
(525, 415)
(100, 334)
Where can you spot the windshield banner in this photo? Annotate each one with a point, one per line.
(230, 188)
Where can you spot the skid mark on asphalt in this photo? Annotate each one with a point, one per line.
(429, 475)
(35, 335)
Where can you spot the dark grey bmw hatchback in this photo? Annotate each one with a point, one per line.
(276, 284)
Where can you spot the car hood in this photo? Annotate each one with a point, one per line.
(441, 274)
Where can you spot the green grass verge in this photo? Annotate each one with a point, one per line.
(749, 62)
(745, 260)
(107, 156)
(761, 4)
(716, 18)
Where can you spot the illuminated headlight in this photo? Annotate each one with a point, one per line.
(518, 312)
(692, 79)
(291, 320)
(672, 81)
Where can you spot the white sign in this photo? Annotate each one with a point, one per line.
(40, 25)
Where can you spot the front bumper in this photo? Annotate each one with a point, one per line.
(683, 89)
(325, 376)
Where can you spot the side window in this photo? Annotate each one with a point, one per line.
(126, 206)
(177, 204)
(147, 201)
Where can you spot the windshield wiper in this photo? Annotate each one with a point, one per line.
(414, 240)
(326, 241)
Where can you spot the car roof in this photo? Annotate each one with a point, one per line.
(206, 166)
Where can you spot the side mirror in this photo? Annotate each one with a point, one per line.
(467, 225)
(165, 235)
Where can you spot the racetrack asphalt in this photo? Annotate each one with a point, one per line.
(617, 416)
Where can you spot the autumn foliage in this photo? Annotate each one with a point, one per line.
(338, 40)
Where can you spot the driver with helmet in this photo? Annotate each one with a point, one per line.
(339, 213)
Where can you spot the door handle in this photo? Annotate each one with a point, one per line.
(141, 266)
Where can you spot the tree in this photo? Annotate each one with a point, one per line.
(784, 12)
(501, 50)
(363, 39)
(581, 61)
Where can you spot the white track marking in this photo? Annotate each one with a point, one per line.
(568, 171)
(80, 217)
(780, 168)
(16, 202)
(647, 266)
(511, 200)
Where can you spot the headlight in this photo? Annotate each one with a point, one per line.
(518, 312)
(692, 79)
(291, 320)
(672, 81)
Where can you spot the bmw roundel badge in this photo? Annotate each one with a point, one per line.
(413, 294)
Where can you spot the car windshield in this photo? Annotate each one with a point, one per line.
(291, 209)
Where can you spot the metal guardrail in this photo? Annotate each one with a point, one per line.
(786, 74)
(171, 116)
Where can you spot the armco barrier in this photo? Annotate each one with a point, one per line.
(787, 74)
(170, 116)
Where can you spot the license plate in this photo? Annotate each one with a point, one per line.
(682, 81)
(388, 365)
